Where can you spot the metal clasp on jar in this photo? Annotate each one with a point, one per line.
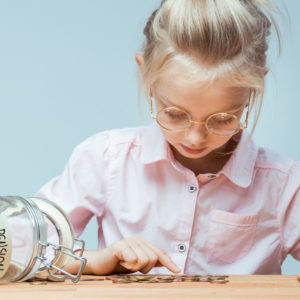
(59, 272)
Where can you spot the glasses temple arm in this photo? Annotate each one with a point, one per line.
(151, 109)
(245, 125)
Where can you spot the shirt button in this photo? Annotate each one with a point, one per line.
(211, 176)
(181, 247)
(192, 188)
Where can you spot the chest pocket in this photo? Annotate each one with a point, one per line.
(230, 236)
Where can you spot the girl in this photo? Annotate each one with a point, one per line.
(192, 192)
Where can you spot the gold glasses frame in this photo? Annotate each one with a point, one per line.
(191, 121)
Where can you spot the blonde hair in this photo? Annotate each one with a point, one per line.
(212, 39)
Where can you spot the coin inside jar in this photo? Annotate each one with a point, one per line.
(11, 272)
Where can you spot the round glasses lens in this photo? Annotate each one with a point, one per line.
(223, 124)
(172, 118)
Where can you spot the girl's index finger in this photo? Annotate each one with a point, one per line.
(165, 260)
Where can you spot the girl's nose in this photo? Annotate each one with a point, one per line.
(196, 134)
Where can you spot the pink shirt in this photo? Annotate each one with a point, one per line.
(243, 220)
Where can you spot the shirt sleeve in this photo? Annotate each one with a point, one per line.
(289, 212)
(80, 189)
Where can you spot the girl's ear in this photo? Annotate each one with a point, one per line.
(140, 61)
(266, 71)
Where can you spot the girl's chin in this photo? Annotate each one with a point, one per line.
(195, 156)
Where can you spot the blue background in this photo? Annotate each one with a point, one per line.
(67, 71)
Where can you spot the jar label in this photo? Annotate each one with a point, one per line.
(5, 246)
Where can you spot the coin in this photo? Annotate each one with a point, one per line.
(165, 278)
(218, 278)
(203, 278)
(92, 279)
(38, 282)
(189, 278)
(121, 281)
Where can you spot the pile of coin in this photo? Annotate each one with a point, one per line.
(167, 278)
(42, 278)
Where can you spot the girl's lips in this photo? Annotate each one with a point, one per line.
(192, 151)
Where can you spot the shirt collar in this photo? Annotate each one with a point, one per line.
(239, 168)
(154, 145)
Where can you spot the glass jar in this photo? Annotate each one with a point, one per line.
(36, 237)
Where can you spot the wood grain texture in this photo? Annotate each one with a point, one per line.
(264, 287)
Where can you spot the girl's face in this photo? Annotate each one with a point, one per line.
(200, 101)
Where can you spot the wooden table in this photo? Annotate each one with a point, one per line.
(271, 287)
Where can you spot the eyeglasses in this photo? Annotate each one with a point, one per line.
(176, 119)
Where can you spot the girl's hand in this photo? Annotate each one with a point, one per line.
(130, 255)
(298, 277)
(126, 256)
(136, 254)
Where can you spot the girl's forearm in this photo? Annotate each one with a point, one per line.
(99, 262)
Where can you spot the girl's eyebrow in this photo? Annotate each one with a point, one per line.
(236, 108)
(166, 102)
(169, 104)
